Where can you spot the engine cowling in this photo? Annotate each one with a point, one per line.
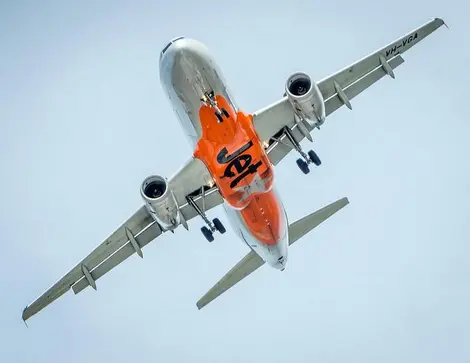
(160, 202)
(306, 98)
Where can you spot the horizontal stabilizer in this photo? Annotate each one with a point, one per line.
(251, 262)
(304, 225)
(248, 264)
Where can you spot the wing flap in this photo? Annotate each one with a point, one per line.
(272, 118)
(143, 239)
(190, 177)
(211, 200)
(334, 102)
(136, 223)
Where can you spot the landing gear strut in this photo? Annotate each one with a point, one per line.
(211, 227)
(307, 158)
(208, 99)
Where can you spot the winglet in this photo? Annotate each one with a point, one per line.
(23, 316)
(443, 22)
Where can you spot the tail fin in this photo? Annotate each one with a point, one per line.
(251, 262)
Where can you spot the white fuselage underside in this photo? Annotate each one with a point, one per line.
(187, 71)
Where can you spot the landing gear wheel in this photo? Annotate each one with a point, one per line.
(210, 227)
(219, 117)
(207, 233)
(310, 157)
(225, 112)
(218, 225)
(314, 158)
(302, 164)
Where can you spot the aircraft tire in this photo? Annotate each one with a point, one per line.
(314, 157)
(207, 233)
(303, 166)
(219, 226)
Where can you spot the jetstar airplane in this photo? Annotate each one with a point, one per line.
(233, 162)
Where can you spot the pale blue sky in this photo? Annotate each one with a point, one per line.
(84, 121)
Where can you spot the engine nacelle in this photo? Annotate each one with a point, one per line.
(306, 98)
(160, 202)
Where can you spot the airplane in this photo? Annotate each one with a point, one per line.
(235, 154)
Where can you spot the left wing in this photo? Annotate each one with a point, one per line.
(135, 233)
(337, 90)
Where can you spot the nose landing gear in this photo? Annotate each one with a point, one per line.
(208, 99)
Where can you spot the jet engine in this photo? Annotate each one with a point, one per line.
(306, 98)
(160, 202)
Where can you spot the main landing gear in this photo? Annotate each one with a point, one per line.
(309, 158)
(208, 99)
(211, 227)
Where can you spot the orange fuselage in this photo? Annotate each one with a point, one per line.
(234, 155)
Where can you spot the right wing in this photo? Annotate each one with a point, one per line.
(337, 89)
(251, 262)
(135, 233)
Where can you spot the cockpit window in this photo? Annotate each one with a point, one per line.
(168, 45)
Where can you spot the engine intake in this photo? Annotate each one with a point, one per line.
(299, 85)
(306, 98)
(154, 188)
(160, 202)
